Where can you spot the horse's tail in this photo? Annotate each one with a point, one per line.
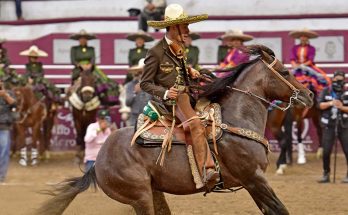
(65, 193)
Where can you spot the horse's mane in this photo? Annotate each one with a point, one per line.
(217, 89)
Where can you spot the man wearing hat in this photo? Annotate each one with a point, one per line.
(153, 10)
(302, 61)
(7, 102)
(192, 52)
(136, 99)
(166, 77)
(333, 101)
(34, 74)
(95, 137)
(82, 56)
(235, 55)
(139, 52)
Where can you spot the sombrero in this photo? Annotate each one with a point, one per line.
(303, 32)
(175, 15)
(82, 33)
(147, 37)
(137, 68)
(33, 51)
(237, 34)
(194, 36)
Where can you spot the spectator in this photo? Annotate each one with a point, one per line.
(19, 9)
(96, 135)
(154, 10)
(192, 52)
(333, 101)
(136, 99)
(7, 102)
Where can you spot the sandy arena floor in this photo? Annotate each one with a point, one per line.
(297, 189)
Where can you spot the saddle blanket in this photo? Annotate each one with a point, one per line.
(155, 135)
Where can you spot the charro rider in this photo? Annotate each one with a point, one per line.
(166, 77)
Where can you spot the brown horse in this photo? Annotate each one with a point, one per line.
(84, 103)
(277, 119)
(130, 174)
(32, 112)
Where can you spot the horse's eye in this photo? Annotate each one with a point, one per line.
(284, 72)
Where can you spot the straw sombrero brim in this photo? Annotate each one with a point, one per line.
(135, 69)
(185, 20)
(309, 34)
(133, 37)
(242, 37)
(78, 36)
(195, 36)
(33, 53)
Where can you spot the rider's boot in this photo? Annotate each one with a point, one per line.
(23, 160)
(203, 157)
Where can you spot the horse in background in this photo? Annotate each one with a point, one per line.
(85, 103)
(130, 174)
(32, 112)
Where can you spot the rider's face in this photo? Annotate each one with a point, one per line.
(303, 40)
(83, 41)
(139, 42)
(236, 43)
(175, 35)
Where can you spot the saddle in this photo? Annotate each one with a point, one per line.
(154, 136)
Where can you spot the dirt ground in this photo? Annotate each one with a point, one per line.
(297, 189)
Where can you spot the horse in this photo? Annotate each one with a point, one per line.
(277, 119)
(130, 174)
(32, 112)
(84, 103)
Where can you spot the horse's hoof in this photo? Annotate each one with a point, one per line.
(301, 160)
(34, 162)
(281, 169)
(23, 162)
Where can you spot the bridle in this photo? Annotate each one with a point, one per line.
(292, 98)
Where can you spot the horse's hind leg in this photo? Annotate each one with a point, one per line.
(144, 205)
(263, 195)
(160, 203)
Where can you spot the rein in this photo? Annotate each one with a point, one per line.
(28, 112)
(293, 97)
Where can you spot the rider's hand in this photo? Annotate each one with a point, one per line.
(194, 73)
(173, 93)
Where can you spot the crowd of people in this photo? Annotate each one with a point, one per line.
(150, 76)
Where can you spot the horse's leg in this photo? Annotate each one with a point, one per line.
(263, 194)
(36, 134)
(301, 159)
(23, 160)
(160, 203)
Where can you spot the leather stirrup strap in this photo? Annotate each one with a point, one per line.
(143, 128)
(187, 121)
(213, 129)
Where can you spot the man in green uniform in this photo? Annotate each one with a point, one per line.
(34, 74)
(4, 61)
(139, 52)
(192, 52)
(82, 56)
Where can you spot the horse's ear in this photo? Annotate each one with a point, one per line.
(266, 57)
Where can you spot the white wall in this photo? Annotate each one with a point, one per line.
(81, 8)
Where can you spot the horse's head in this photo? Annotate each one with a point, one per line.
(87, 89)
(278, 81)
